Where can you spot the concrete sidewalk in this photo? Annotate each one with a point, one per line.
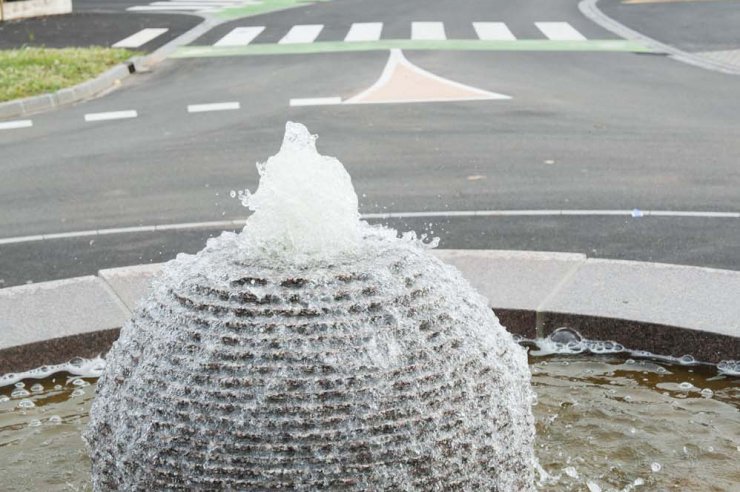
(666, 309)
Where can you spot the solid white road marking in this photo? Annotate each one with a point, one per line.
(493, 31)
(202, 108)
(238, 223)
(559, 31)
(305, 33)
(140, 38)
(429, 31)
(316, 101)
(10, 125)
(240, 36)
(111, 115)
(364, 31)
(155, 8)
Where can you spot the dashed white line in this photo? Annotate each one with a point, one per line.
(238, 223)
(141, 38)
(428, 31)
(111, 115)
(364, 31)
(306, 33)
(11, 125)
(493, 31)
(315, 101)
(559, 31)
(202, 108)
(240, 36)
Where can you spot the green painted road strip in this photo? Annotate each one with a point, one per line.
(264, 7)
(609, 45)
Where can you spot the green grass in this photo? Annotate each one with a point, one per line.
(28, 72)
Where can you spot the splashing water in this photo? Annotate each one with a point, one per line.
(312, 351)
(305, 208)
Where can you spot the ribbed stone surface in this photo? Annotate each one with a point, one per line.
(384, 371)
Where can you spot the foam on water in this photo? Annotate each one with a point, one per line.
(305, 208)
(78, 366)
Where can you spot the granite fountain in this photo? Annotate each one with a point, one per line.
(312, 351)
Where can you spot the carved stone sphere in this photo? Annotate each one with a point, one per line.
(380, 371)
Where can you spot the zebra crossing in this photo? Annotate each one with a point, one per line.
(419, 31)
(197, 6)
(364, 32)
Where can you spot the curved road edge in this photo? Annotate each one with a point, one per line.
(590, 9)
(104, 83)
(662, 308)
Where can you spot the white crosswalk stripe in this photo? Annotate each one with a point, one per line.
(240, 36)
(428, 31)
(141, 38)
(302, 34)
(191, 5)
(372, 31)
(364, 31)
(559, 31)
(493, 31)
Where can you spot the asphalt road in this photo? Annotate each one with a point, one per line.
(583, 131)
(694, 26)
(92, 29)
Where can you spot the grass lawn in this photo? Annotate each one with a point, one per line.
(32, 71)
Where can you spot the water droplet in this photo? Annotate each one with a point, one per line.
(571, 472)
(36, 388)
(55, 419)
(34, 423)
(656, 467)
(707, 393)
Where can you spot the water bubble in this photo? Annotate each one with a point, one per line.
(687, 360)
(34, 423)
(685, 386)
(729, 367)
(4, 398)
(571, 472)
(55, 419)
(638, 482)
(26, 404)
(19, 393)
(707, 393)
(36, 388)
(80, 382)
(20, 384)
(78, 392)
(656, 467)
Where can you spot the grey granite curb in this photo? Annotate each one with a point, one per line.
(666, 309)
(718, 64)
(105, 82)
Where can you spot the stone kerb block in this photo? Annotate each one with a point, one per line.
(35, 8)
(688, 297)
(131, 284)
(37, 312)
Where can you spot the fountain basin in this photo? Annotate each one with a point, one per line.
(659, 416)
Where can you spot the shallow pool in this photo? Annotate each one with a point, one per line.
(603, 423)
